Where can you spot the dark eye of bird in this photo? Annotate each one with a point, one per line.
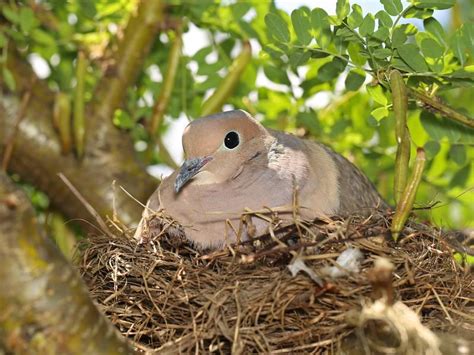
(231, 140)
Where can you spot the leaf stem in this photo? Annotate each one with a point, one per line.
(441, 108)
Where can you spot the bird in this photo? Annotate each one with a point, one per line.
(233, 165)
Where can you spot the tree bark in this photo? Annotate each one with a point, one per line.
(109, 154)
(45, 305)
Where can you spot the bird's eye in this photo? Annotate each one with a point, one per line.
(231, 140)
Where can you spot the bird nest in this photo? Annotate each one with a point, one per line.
(169, 297)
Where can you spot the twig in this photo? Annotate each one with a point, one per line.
(19, 117)
(132, 49)
(400, 106)
(79, 129)
(169, 79)
(441, 108)
(227, 85)
(87, 205)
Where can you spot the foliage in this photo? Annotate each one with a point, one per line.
(326, 76)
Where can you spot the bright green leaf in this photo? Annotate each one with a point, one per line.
(438, 128)
(393, 7)
(379, 113)
(355, 18)
(355, 79)
(415, 12)
(27, 20)
(277, 27)
(433, 27)
(302, 26)
(367, 26)
(384, 18)
(355, 53)
(377, 94)
(410, 54)
(342, 9)
(435, 4)
(431, 48)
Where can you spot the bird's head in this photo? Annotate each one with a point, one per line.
(217, 146)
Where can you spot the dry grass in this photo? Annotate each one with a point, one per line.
(243, 299)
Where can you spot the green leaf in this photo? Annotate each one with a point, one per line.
(342, 9)
(393, 7)
(384, 18)
(367, 26)
(347, 34)
(302, 26)
(438, 128)
(399, 37)
(433, 27)
(8, 78)
(467, 30)
(458, 47)
(355, 79)
(88, 8)
(377, 94)
(332, 69)
(276, 75)
(379, 113)
(431, 148)
(415, 12)
(10, 14)
(355, 18)
(27, 20)
(354, 49)
(410, 54)
(382, 33)
(321, 27)
(310, 121)
(435, 4)
(240, 9)
(382, 53)
(431, 48)
(299, 57)
(461, 177)
(458, 154)
(277, 27)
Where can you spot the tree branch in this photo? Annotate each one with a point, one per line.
(226, 87)
(441, 108)
(45, 305)
(127, 61)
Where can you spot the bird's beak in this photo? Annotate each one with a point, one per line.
(188, 170)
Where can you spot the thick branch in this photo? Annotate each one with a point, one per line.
(37, 157)
(45, 305)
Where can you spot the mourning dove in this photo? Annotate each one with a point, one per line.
(233, 163)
